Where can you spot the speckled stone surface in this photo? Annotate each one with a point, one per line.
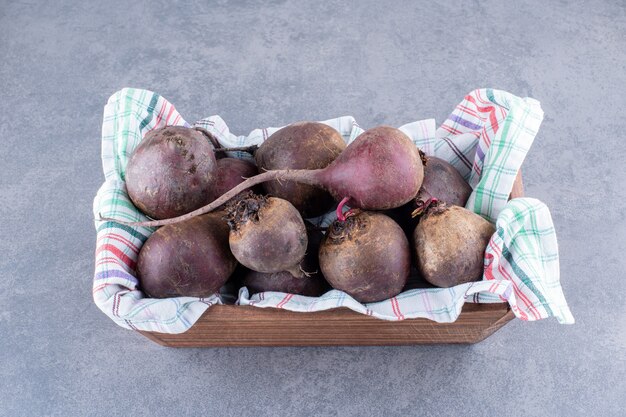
(258, 65)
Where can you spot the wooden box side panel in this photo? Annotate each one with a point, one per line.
(225, 325)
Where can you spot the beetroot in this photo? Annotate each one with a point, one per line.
(267, 234)
(443, 182)
(171, 172)
(313, 285)
(190, 258)
(450, 244)
(381, 169)
(366, 256)
(230, 172)
(302, 145)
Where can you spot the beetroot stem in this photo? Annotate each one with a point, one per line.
(421, 209)
(342, 203)
(305, 176)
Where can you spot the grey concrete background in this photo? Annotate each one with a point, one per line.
(273, 63)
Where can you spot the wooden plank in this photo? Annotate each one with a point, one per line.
(237, 326)
(227, 325)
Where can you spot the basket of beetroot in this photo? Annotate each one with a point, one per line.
(312, 233)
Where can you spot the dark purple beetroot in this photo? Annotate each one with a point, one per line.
(231, 172)
(171, 172)
(302, 145)
(267, 234)
(380, 170)
(366, 256)
(313, 285)
(443, 182)
(450, 243)
(190, 258)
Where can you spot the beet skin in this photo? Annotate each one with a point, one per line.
(380, 170)
(231, 172)
(367, 256)
(302, 145)
(267, 234)
(443, 182)
(171, 172)
(190, 258)
(312, 285)
(450, 243)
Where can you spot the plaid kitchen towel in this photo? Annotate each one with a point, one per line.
(486, 138)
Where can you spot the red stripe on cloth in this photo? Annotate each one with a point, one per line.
(118, 253)
(485, 137)
(169, 114)
(522, 315)
(159, 117)
(98, 288)
(450, 129)
(518, 292)
(396, 308)
(109, 260)
(489, 275)
(155, 124)
(477, 169)
(284, 301)
(469, 111)
(529, 304)
(489, 109)
(119, 238)
(488, 271)
(481, 99)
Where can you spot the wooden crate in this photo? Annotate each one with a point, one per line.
(230, 325)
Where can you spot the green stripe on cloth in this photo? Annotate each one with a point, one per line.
(128, 229)
(150, 109)
(506, 253)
